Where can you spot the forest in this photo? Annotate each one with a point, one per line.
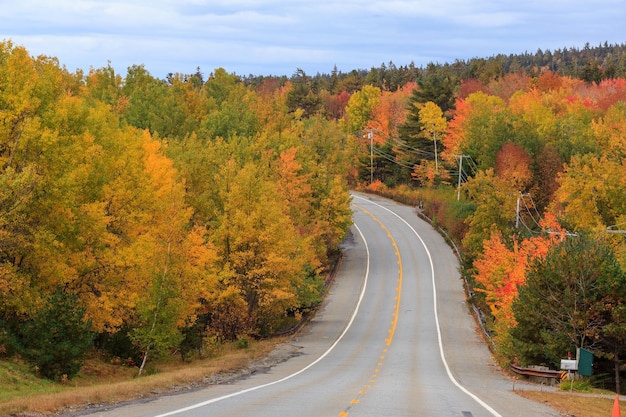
(142, 216)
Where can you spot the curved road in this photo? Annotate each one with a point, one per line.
(393, 338)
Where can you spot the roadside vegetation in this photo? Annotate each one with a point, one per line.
(144, 219)
(106, 381)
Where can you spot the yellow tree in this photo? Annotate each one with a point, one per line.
(433, 127)
(360, 107)
(16, 195)
(173, 260)
(538, 109)
(590, 195)
(326, 160)
(610, 132)
(495, 209)
(105, 85)
(34, 95)
(259, 249)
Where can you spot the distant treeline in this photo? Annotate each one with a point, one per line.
(591, 64)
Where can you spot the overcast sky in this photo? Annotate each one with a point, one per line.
(276, 37)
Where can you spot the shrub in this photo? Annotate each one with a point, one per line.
(57, 337)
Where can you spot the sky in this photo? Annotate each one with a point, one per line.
(278, 37)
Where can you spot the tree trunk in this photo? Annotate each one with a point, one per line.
(143, 361)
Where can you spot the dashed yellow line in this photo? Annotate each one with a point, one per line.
(394, 322)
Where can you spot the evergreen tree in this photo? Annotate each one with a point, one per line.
(58, 337)
(567, 302)
(302, 95)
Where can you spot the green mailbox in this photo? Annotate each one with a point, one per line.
(585, 362)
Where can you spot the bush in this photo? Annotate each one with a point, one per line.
(242, 343)
(57, 338)
(579, 385)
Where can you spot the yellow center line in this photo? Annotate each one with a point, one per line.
(399, 287)
(394, 322)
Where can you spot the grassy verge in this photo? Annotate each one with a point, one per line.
(100, 382)
(573, 405)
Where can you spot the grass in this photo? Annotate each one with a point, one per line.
(101, 382)
(16, 380)
(573, 405)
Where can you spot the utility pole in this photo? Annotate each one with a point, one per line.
(370, 135)
(458, 192)
(435, 143)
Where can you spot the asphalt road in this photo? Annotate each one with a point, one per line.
(394, 338)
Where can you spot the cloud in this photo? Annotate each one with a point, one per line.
(278, 36)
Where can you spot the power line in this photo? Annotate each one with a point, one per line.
(610, 229)
(534, 206)
(403, 146)
(519, 219)
(526, 226)
(391, 158)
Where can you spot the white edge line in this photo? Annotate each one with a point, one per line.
(443, 357)
(234, 394)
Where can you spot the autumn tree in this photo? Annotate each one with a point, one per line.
(481, 130)
(610, 132)
(548, 165)
(360, 108)
(390, 112)
(513, 165)
(379, 118)
(590, 194)
(105, 85)
(258, 247)
(34, 95)
(326, 157)
(143, 92)
(501, 269)
(219, 85)
(433, 126)
(335, 105)
(16, 238)
(175, 266)
(469, 86)
(79, 206)
(494, 204)
(508, 85)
